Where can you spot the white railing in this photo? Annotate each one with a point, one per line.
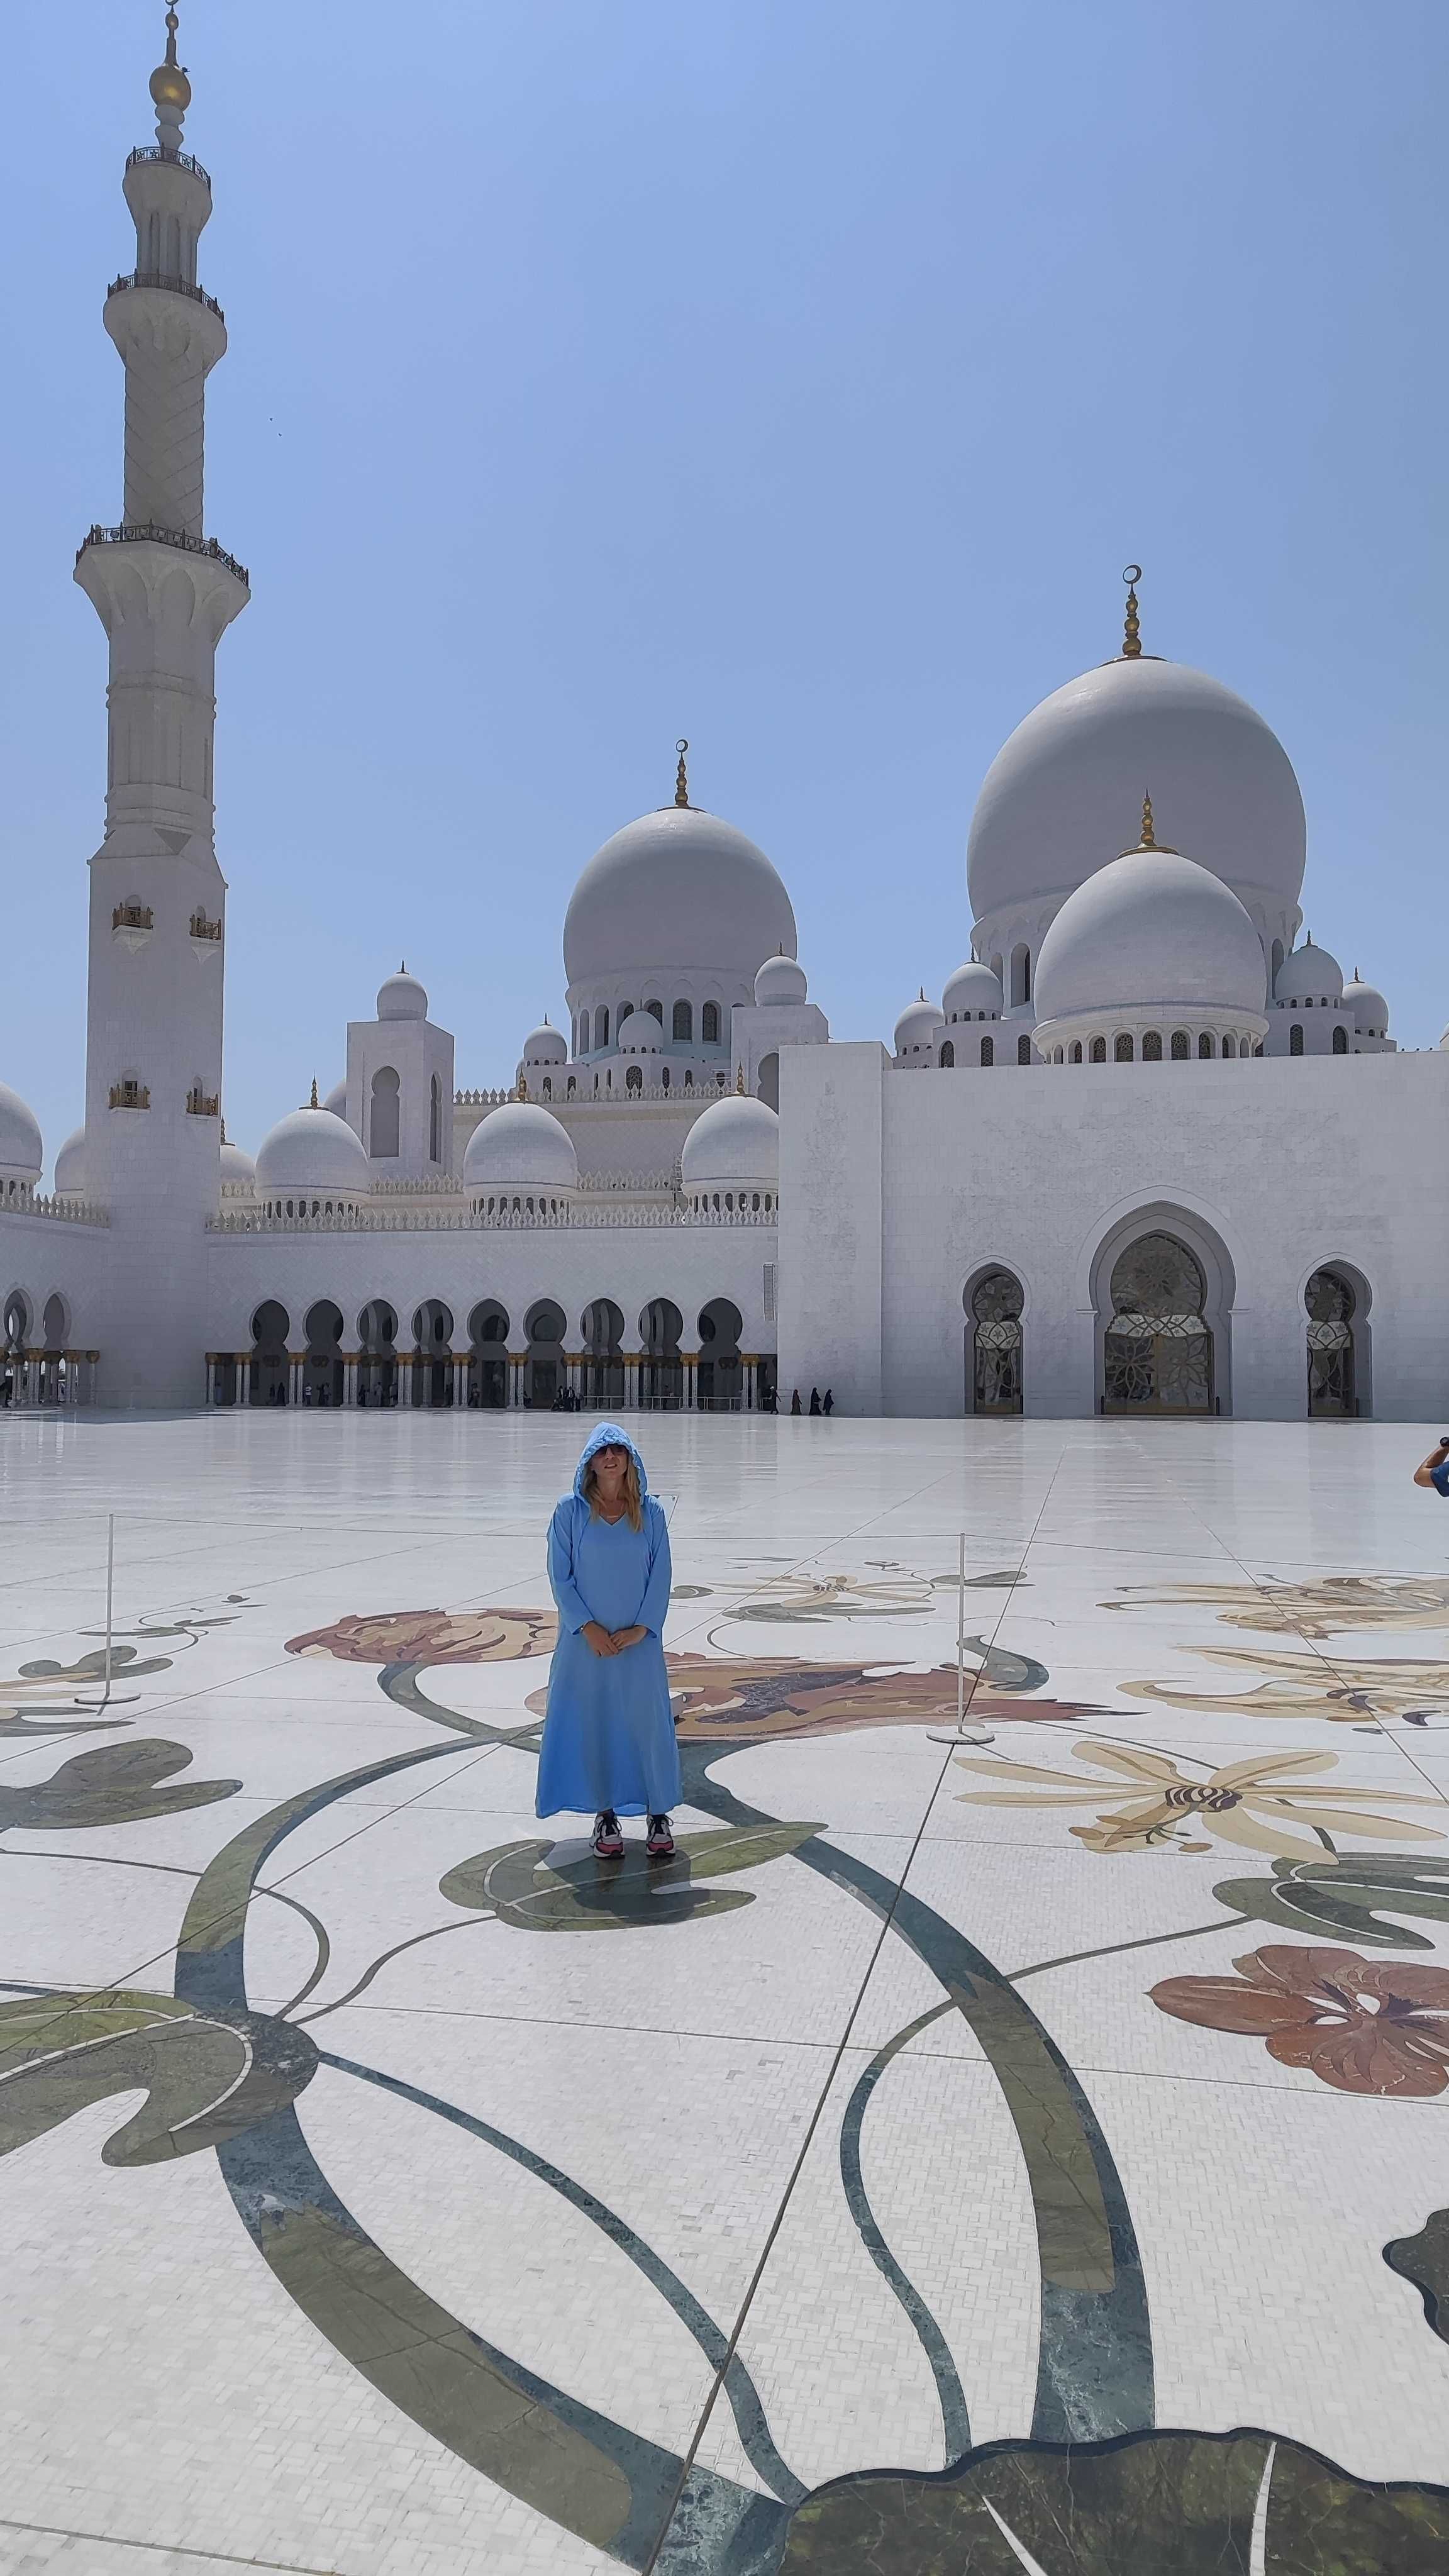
(66, 1211)
(448, 1221)
(679, 1095)
(656, 1184)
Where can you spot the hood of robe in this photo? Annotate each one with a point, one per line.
(608, 1436)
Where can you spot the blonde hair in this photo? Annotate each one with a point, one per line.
(633, 1500)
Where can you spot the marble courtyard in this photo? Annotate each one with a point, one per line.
(1017, 2148)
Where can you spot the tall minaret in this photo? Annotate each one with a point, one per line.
(165, 594)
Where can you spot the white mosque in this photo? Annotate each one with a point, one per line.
(1145, 1156)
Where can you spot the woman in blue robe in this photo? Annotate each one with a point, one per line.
(608, 1738)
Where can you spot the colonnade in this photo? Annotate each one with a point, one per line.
(58, 1380)
(229, 1378)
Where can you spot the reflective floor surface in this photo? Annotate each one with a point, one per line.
(1019, 2143)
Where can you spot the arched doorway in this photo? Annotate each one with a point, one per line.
(270, 1327)
(994, 1343)
(544, 1377)
(767, 1080)
(54, 1335)
(377, 1344)
(603, 1324)
(433, 1344)
(1158, 1348)
(1332, 1307)
(488, 1356)
(720, 1378)
(322, 1368)
(661, 1371)
(13, 1344)
(384, 1126)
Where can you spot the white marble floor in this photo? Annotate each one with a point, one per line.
(376, 2200)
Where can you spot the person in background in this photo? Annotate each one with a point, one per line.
(795, 1401)
(829, 1405)
(815, 1399)
(609, 1747)
(1435, 1469)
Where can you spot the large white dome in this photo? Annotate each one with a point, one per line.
(676, 889)
(1064, 792)
(21, 1150)
(1309, 975)
(545, 1045)
(734, 1143)
(1370, 1010)
(520, 1146)
(1153, 931)
(309, 1150)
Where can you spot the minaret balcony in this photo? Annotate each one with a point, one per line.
(135, 533)
(205, 935)
(155, 277)
(130, 1094)
(177, 160)
(202, 1104)
(131, 926)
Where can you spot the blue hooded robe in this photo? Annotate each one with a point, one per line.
(608, 1737)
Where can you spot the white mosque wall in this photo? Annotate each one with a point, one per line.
(517, 1266)
(44, 1256)
(1268, 1168)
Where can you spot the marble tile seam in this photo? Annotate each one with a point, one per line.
(164, 2548)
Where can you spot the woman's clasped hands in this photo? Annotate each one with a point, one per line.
(611, 1641)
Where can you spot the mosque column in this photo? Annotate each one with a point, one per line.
(460, 1381)
(690, 1361)
(349, 1381)
(749, 1364)
(296, 1365)
(213, 1378)
(516, 1361)
(244, 1378)
(632, 1360)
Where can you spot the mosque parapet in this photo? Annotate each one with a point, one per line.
(463, 1221)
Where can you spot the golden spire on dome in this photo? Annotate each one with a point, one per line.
(681, 775)
(1149, 836)
(169, 84)
(314, 1102)
(1132, 633)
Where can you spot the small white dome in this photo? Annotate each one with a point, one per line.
(70, 1167)
(1370, 1010)
(402, 998)
(640, 1034)
(919, 1026)
(973, 989)
(545, 1045)
(236, 1163)
(520, 1146)
(311, 1149)
(1309, 974)
(1153, 930)
(780, 979)
(676, 889)
(336, 1099)
(21, 1149)
(735, 1143)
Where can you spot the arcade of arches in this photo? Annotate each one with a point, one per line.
(539, 1361)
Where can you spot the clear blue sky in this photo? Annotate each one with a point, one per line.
(798, 378)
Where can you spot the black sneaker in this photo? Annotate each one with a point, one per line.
(660, 1845)
(608, 1839)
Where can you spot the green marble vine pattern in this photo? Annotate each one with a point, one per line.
(1097, 2489)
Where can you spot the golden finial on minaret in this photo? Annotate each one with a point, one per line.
(314, 1102)
(169, 84)
(739, 1079)
(1149, 835)
(1132, 634)
(681, 775)
(223, 1131)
